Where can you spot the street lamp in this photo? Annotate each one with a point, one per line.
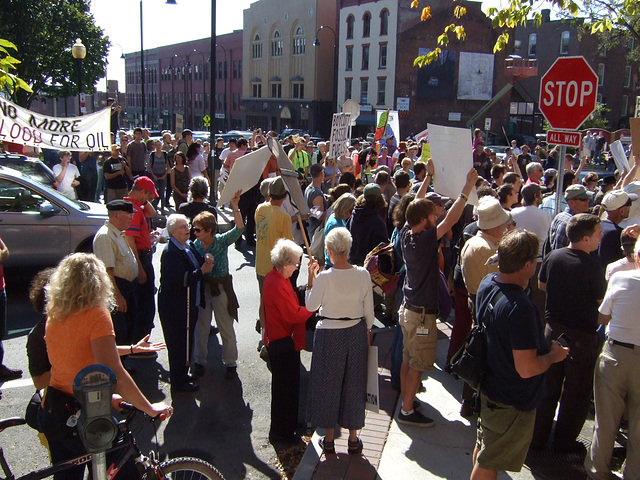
(227, 119)
(203, 79)
(168, 2)
(79, 51)
(316, 43)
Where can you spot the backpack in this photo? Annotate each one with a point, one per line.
(381, 265)
(468, 363)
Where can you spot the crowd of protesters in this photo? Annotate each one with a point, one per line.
(534, 277)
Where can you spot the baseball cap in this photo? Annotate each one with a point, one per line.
(264, 186)
(437, 198)
(145, 183)
(120, 206)
(608, 180)
(372, 189)
(577, 192)
(618, 198)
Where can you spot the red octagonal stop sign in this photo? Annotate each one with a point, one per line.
(568, 93)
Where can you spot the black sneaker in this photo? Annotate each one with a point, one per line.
(7, 374)
(416, 419)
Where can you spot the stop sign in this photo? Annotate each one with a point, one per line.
(568, 93)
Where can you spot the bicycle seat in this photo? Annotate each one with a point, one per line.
(11, 422)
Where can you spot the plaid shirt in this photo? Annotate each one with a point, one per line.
(558, 231)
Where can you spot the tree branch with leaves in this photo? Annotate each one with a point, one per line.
(8, 79)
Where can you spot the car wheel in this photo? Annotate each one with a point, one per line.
(86, 246)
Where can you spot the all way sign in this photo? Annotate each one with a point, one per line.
(558, 137)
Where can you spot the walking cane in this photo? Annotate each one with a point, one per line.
(188, 323)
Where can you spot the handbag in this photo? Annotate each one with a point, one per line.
(317, 244)
(31, 413)
(468, 363)
(380, 263)
(55, 415)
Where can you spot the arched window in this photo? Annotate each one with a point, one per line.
(350, 22)
(384, 22)
(366, 25)
(299, 42)
(256, 47)
(276, 44)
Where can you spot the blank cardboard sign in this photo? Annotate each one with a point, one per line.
(634, 124)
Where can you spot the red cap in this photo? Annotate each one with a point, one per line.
(145, 183)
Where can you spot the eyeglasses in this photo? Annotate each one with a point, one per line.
(197, 230)
(297, 265)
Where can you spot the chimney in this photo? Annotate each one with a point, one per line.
(546, 15)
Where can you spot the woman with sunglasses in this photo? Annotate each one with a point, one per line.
(219, 297)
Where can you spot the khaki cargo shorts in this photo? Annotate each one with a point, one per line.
(418, 349)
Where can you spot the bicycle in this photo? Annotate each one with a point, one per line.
(149, 466)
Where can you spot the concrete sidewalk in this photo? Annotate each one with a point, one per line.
(393, 451)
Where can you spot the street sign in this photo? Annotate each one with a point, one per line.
(206, 120)
(568, 93)
(568, 139)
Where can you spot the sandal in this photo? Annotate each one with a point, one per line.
(327, 446)
(355, 447)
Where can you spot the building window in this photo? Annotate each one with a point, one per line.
(627, 76)
(220, 70)
(384, 22)
(365, 57)
(602, 51)
(348, 86)
(206, 100)
(600, 74)
(297, 90)
(276, 90)
(239, 68)
(564, 43)
(624, 110)
(533, 41)
(235, 101)
(350, 22)
(299, 42)
(349, 59)
(630, 43)
(364, 91)
(235, 69)
(382, 59)
(366, 25)
(256, 90)
(256, 47)
(382, 87)
(276, 45)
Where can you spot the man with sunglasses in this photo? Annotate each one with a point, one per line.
(577, 197)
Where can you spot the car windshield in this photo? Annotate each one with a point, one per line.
(29, 168)
(52, 195)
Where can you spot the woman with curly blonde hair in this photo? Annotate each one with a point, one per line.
(78, 333)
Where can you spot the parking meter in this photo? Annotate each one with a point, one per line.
(93, 387)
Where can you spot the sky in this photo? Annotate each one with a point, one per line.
(167, 24)
(162, 24)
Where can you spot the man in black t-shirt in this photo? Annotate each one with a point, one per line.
(574, 283)
(516, 359)
(116, 172)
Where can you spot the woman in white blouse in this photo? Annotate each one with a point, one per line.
(337, 390)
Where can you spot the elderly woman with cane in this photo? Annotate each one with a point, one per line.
(180, 294)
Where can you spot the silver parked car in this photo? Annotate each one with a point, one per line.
(39, 225)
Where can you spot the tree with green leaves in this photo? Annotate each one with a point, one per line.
(43, 32)
(605, 17)
(9, 80)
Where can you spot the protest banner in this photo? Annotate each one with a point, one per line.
(452, 154)
(423, 137)
(245, 173)
(340, 129)
(24, 127)
(392, 126)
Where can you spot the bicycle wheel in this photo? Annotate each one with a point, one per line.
(186, 468)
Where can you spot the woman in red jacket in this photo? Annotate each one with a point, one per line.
(284, 337)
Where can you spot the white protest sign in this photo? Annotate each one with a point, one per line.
(340, 128)
(617, 150)
(452, 154)
(86, 133)
(245, 173)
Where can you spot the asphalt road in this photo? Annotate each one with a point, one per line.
(226, 422)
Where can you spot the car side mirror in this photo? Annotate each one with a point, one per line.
(47, 209)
